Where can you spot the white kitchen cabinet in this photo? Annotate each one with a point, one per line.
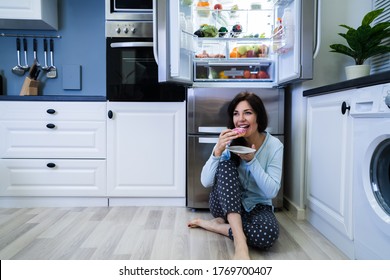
(146, 151)
(52, 149)
(328, 168)
(29, 14)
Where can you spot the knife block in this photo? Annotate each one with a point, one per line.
(30, 87)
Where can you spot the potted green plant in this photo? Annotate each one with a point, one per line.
(364, 42)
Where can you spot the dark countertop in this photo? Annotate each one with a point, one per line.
(370, 80)
(80, 98)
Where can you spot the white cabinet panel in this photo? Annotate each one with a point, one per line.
(52, 149)
(328, 167)
(146, 149)
(33, 139)
(50, 111)
(52, 177)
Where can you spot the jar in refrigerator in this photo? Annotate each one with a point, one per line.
(203, 8)
(183, 27)
(190, 30)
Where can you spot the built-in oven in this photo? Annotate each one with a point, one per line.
(129, 9)
(131, 67)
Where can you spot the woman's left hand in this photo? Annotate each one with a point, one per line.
(248, 157)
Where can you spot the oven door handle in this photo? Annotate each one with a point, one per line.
(131, 44)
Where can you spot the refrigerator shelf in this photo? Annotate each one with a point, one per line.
(257, 71)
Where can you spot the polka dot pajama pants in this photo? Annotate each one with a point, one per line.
(260, 225)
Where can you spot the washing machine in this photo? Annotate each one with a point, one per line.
(370, 109)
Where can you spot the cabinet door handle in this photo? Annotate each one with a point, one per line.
(51, 111)
(50, 125)
(51, 165)
(110, 114)
(344, 107)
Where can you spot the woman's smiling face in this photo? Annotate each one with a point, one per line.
(244, 116)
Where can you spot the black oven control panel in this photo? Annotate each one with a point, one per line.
(129, 29)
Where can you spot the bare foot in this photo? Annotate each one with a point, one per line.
(205, 223)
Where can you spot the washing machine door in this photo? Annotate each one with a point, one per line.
(380, 175)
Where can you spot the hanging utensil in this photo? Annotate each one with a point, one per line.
(25, 66)
(45, 67)
(18, 69)
(52, 70)
(35, 49)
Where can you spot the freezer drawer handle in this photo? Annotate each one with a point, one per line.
(208, 140)
(50, 125)
(51, 111)
(211, 129)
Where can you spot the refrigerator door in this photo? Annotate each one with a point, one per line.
(295, 56)
(174, 62)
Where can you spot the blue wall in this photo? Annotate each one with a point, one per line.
(82, 42)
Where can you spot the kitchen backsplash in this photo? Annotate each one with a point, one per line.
(79, 53)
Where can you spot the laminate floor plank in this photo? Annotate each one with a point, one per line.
(43, 220)
(141, 233)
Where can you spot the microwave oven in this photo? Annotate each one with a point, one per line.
(129, 10)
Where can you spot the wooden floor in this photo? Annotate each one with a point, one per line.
(141, 233)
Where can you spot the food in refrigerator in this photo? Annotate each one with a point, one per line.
(248, 50)
(206, 72)
(203, 8)
(212, 48)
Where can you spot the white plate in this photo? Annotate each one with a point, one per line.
(241, 149)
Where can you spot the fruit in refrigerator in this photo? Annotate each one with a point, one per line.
(222, 31)
(262, 74)
(242, 50)
(247, 74)
(234, 54)
(237, 28)
(217, 7)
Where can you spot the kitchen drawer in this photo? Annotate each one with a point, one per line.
(48, 177)
(53, 139)
(66, 111)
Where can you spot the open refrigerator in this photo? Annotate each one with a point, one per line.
(256, 46)
(266, 43)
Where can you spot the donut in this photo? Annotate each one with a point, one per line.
(240, 131)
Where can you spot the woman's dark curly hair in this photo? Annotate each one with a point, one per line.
(261, 117)
(257, 105)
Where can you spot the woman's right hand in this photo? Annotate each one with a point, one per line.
(224, 139)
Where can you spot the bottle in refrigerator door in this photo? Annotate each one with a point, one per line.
(288, 31)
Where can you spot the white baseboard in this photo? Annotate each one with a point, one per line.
(147, 201)
(31, 202)
(295, 211)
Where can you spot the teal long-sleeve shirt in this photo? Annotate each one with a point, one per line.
(260, 178)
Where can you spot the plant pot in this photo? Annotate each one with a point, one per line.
(357, 71)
